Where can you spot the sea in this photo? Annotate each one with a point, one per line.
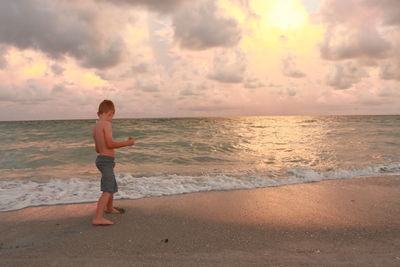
(52, 162)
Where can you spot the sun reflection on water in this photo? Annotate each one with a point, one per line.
(276, 142)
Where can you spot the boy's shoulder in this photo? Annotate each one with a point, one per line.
(102, 123)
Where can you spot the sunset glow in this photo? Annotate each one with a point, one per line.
(286, 14)
(200, 58)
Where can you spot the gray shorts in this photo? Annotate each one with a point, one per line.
(106, 165)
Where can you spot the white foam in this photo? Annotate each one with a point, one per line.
(17, 194)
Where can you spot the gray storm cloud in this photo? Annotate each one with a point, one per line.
(58, 30)
(200, 27)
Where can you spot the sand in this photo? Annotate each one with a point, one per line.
(332, 223)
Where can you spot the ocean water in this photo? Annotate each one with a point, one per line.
(52, 162)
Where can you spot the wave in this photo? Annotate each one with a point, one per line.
(19, 193)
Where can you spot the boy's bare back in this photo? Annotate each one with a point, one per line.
(102, 134)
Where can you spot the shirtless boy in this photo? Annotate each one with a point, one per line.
(105, 145)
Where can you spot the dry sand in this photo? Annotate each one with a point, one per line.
(332, 223)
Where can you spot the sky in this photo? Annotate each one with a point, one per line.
(193, 58)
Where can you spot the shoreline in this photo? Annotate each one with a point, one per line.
(68, 190)
(352, 222)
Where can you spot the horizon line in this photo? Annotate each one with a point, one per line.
(198, 117)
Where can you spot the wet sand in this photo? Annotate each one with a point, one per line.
(332, 223)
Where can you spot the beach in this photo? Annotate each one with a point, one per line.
(354, 222)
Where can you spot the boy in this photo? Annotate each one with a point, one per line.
(102, 135)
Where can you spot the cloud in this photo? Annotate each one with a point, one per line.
(389, 9)
(199, 27)
(59, 88)
(228, 67)
(337, 11)
(345, 75)
(147, 86)
(372, 102)
(199, 87)
(191, 89)
(140, 68)
(59, 30)
(390, 71)
(347, 42)
(160, 6)
(212, 107)
(128, 71)
(390, 91)
(352, 30)
(253, 83)
(283, 38)
(291, 92)
(57, 69)
(284, 92)
(186, 92)
(64, 88)
(311, 5)
(272, 85)
(29, 93)
(366, 32)
(160, 40)
(246, 6)
(289, 67)
(3, 52)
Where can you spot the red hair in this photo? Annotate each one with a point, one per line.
(106, 106)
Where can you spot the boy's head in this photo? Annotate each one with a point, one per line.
(107, 106)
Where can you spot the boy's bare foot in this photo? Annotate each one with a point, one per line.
(115, 210)
(101, 222)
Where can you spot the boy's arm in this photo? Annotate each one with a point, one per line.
(94, 138)
(109, 140)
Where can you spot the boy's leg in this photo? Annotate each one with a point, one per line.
(110, 208)
(101, 205)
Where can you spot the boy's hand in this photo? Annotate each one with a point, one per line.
(131, 141)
